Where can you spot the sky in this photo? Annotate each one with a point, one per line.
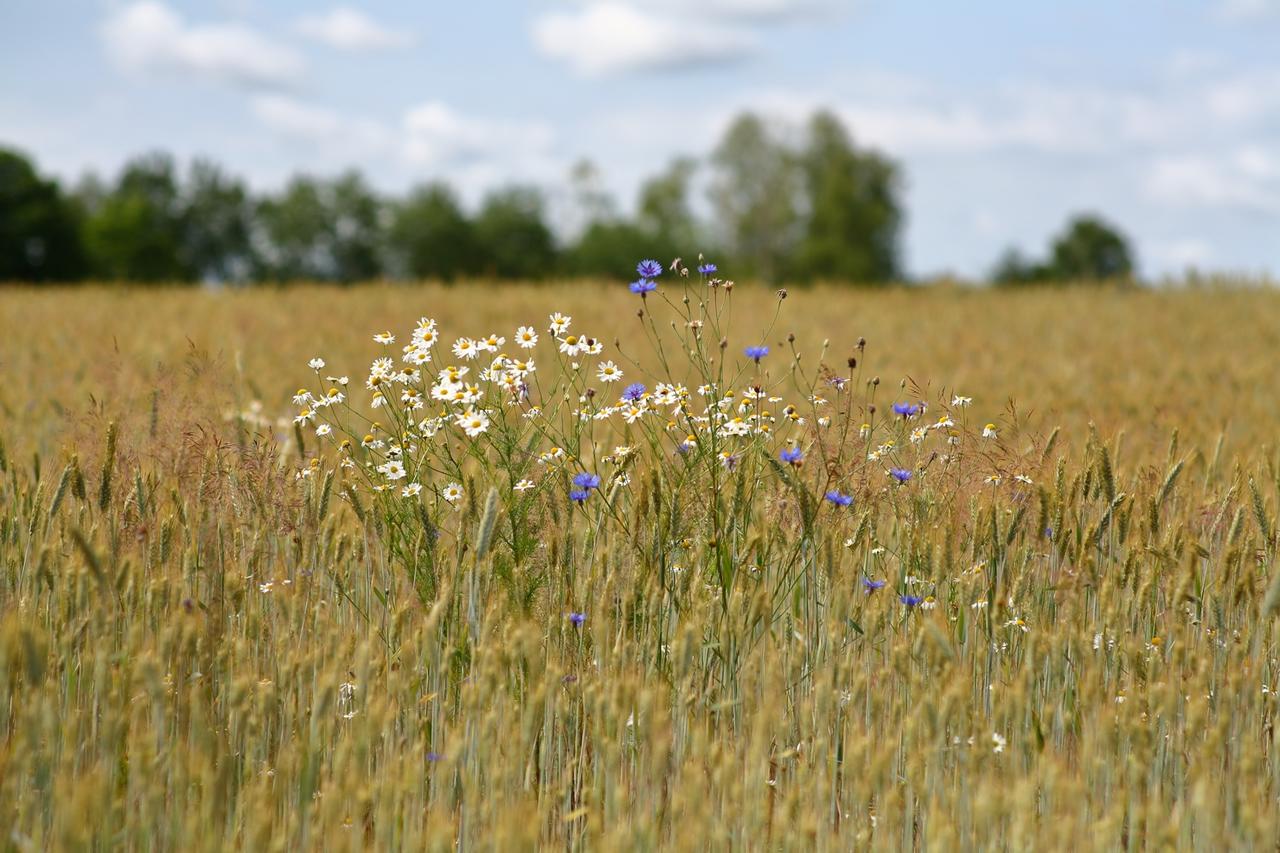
(1007, 117)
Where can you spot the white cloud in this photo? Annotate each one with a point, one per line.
(1244, 181)
(350, 29)
(604, 38)
(149, 36)
(761, 10)
(437, 135)
(1180, 254)
(430, 139)
(1248, 10)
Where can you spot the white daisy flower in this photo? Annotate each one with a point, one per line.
(524, 485)
(473, 423)
(385, 338)
(608, 372)
(316, 364)
(452, 493)
(526, 337)
(412, 490)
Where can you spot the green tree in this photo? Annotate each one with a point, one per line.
(1013, 267)
(606, 244)
(755, 191)
(138, 231)
(431, 237)
(40, 237)
(1090, 248)
(296, 230)
(610, 249)
(358, 240)
(218, 214)
(665, 214)
(1087, 249)
(513, 236)
(852, 214)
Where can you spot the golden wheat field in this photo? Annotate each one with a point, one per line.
(748, 606)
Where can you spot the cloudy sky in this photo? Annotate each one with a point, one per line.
(1007, 116)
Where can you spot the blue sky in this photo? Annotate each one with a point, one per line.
(1007, 116)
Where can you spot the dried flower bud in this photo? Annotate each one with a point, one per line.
(862, 343)
(853, 362)
(791, 337)
(782, 293)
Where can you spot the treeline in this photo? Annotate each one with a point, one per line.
(784, 206)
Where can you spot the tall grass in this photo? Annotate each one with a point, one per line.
(208, 641)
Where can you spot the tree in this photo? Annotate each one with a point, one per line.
(1090, 248)
(665, 214)
(754, 193)
(513, 236)
(40, 237)
(295, 233)
(218, 214)
(1012, 267)
(138, 232)
(357, 236)
(430, 236)
(1087, 249)
(605, 244)
(610, 249)
(852, 214)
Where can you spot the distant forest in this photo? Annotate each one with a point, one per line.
(783, 207)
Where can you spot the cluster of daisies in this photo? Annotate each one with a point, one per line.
(468, 389)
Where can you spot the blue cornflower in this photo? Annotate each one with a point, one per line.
(579, 496)
(649, 269)
(900, 474)
(643, 286)
(907, 410)
(1048, 531)
(633, 392)
(910, 600)
(587, 481)
(872, 586)
(755, 353)
(707, 269)
(434, 756)
(577, 619)
(791, 455)
(839, 498)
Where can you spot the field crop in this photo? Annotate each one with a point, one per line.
(941, 569)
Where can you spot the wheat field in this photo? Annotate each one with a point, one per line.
(1034, 606)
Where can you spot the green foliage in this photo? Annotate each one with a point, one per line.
(1090, 248)
(755, 191)
(1087, 249)
(514, 239)
(431, 237)
(138, 232)
(853, 213)
(326, 230)
(217, 244)
(40, 229)
(825, 209)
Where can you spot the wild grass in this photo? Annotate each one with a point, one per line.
(201, 649)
